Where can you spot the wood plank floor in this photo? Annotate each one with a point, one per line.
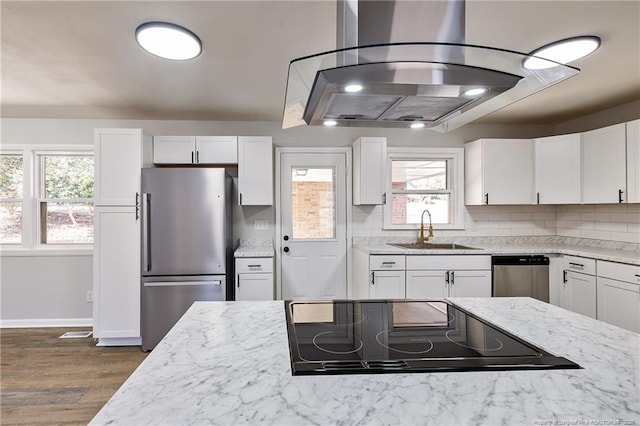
(47, 380)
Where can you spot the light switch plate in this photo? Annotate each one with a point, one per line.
(261, 225)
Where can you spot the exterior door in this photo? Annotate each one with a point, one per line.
(313, 223)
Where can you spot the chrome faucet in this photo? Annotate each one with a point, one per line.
(421, 237)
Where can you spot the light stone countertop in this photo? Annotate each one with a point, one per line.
(228, 363)
(249, 248)
(594, 252)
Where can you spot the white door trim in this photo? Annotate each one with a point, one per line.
(278, 242)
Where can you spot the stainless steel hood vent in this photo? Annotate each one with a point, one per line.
(405, 78)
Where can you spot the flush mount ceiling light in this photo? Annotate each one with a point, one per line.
(168, 41)
(561, 52)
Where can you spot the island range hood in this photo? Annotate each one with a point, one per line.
(404, 63)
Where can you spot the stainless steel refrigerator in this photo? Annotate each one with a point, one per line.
(187, 246)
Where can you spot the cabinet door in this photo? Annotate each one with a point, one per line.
(116, 273)
(557, 161)
(604, 164)
(216, 150)
(507, 169)
(470, 283)
(426, 284)
(118, 159)
(387, 285)
(633, 162)
(369, 171)
(174, 149)
(580, 293)
(619, 303)
(254, 287)
(255, 171)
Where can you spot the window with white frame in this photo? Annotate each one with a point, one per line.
(11, 191)
(65, 198)
(46, 197)
(422, 179)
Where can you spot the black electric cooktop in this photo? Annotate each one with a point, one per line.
(403, 336)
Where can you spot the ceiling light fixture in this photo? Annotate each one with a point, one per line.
(353, 88)
(168, 41)
(474, 92)
(561, 52)
(417, 125)
(330, 123)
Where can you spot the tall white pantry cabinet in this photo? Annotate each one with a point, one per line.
(119, 156)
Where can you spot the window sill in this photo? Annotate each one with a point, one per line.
(45, 251)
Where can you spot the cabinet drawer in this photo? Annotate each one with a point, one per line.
(580, 264)
(254, 264)
(619, 271)
(377, 263)
(457, 262)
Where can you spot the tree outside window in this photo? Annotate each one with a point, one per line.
(11, 183)
(66, 199)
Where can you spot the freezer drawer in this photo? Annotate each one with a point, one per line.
(164, 303)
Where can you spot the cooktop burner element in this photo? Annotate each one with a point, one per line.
(408, 336)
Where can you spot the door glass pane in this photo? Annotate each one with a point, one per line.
(415, 175)
(408, 208)
(10, 222)
(313, 206)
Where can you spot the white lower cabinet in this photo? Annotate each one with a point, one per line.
(437, 276)
(578, 287)
(254, 278)
(618, 287)
(116, 276)
(387, 277)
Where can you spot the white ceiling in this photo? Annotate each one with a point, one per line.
(77, 59)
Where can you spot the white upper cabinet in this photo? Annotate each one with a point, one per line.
(499, 171)
(119, 156)
(633, 162)
(557, 169)
(603, 165)
(195, 150)
(255, 171)
(369, 170)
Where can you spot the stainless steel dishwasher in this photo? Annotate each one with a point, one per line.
(521, 276)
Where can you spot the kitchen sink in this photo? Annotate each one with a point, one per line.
(434, 246)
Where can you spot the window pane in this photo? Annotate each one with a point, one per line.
(11, 176)
(10, 222)
(408, 208)
(67, 223)
(68, 176)
(313, 203)
(422, 174)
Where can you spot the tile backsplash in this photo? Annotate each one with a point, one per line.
(609, 222)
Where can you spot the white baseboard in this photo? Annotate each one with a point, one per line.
(45, 322)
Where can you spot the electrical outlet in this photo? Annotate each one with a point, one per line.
(89, 296)
(261, 225)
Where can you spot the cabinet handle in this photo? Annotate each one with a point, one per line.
(373, 277)
(191, 157)
(564, 277)
(384, 198)
(453, 278)
(486, 198)
(446, 277)
(137, 206)
(197, 157)
(254, 266)
(538, 197)
(238, 280)
(388, 263)
(638, 275)
(241, 198)
(577, 265)
(620, 191)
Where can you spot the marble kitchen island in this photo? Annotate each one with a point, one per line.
(228, 363)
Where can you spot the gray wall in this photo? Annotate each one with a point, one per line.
(51, 290)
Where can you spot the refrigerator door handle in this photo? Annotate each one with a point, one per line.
(181, 283)
(146, 260)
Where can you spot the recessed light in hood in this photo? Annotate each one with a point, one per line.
(410, 81)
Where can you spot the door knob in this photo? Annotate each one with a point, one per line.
(286, 249)
(286, 238)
